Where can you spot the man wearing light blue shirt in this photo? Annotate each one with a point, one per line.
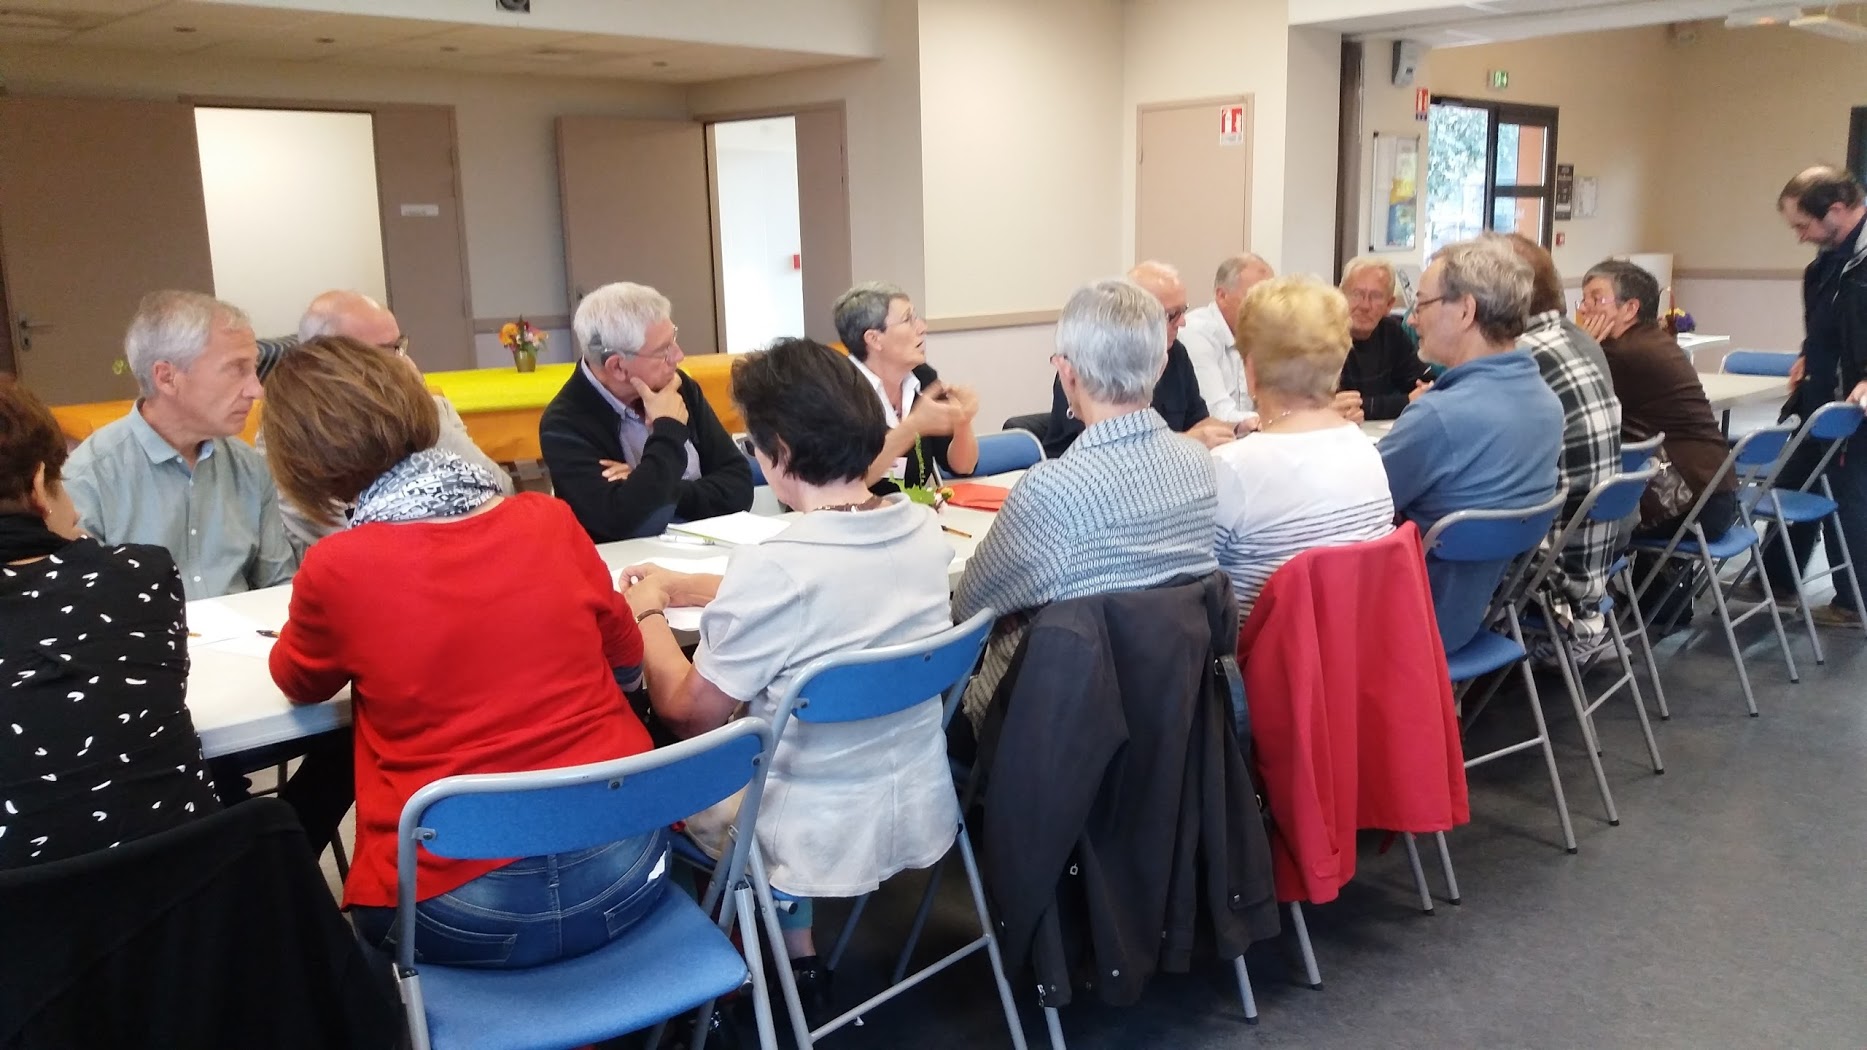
(1207, 337)
(1485, 436)
(173, 472)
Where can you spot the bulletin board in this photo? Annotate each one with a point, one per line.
(1394, 210)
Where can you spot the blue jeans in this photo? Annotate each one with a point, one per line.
(535, 910)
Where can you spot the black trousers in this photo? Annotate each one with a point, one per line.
(321, 792)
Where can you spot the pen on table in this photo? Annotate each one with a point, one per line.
(956, 532)
(264, 633)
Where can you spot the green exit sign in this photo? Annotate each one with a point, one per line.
(1499, 79)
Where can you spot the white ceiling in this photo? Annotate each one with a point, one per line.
(1443, 24)
(274, 34)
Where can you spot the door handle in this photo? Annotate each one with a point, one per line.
(27, 326)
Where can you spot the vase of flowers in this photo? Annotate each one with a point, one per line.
(525, 341)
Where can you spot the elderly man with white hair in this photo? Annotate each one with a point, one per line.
(1383, 373)
(362, 318)
(1176, 395)
(173, 472)
(1207, 337)
(1130, 505)
(630, 441)
(1487, 435)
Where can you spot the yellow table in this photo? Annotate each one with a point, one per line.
(501, 406)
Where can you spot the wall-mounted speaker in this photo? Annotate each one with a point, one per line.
(1407, 55)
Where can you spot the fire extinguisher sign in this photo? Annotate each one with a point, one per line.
(1231, 125)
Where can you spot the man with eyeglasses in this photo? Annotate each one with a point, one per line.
(1176, 393)
(1207, 336)
(630, 442)
(359, 317)
(1487, 435)
(1383, 373)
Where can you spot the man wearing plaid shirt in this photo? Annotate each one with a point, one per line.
(1591, 447)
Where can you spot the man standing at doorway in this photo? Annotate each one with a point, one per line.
(1824, 206)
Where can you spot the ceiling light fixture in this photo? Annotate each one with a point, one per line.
(1772, 15)
(1831, 26)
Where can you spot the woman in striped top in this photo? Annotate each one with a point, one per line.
(1307, 477)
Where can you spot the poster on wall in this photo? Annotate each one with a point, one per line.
(1393, 218)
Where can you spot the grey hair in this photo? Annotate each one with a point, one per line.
(861, 310)
(1498, 280)
(1631, 282)
(175, 326)
(1226, 277)
(1114, 334)
(325, 311)
(1365, 263)
(615, 319)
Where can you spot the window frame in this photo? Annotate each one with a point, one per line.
(1522, 114)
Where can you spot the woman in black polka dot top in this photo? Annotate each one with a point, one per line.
(96, 746)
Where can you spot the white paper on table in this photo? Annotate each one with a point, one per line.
(743, 527)
(684, 618)
(252, 644)
(210, 621)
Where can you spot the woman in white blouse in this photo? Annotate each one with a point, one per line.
(847, 805)
(929, 420)
(1307, 477)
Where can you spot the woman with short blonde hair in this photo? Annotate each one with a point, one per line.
(1307, 477)
(478, 633)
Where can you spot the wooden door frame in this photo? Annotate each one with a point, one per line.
(706, 121)
(371, 108)
(1249, 101)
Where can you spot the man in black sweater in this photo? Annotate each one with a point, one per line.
(1176, 393)
(630, 441)
(1383, 372)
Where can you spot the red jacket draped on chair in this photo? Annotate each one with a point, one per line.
(1352, 717)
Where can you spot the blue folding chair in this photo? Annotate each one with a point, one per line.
(1637, 454)
(1489, 536)
(873, 683)
(1759, 362)
(1007, 450)
(1833, 423)
(1757, 458)
(1614, 500)
(673, 960)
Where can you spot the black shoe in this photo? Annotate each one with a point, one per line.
(813, 988)
(721, 1034)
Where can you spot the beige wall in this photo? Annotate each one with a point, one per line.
(1313, 110)
(508, 158)
(882, 122)
(1020, 148)
(1748, 109)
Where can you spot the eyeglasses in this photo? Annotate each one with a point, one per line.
(906, 318)
(399, 347)
(1421, 304)
(662, 353)
(1174, 315)
(1369, 297)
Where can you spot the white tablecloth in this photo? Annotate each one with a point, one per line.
(236, 707)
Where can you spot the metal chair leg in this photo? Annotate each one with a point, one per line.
(1310, 970)
(1445, 865)
(1419, 873)
(1646, 645)
(1776, 616)
(1005, 999)
(1245, 998)
(1571, 675)
(1621, 650)
(1730, 636)
(755, 965)
(1549, 756)
(787, 981)
(920, 920)
(1055, 1025)
(849, 932)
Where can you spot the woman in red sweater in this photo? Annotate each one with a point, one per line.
(478, 633)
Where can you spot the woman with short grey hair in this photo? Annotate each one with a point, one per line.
(1129, 505)
(929, 420)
